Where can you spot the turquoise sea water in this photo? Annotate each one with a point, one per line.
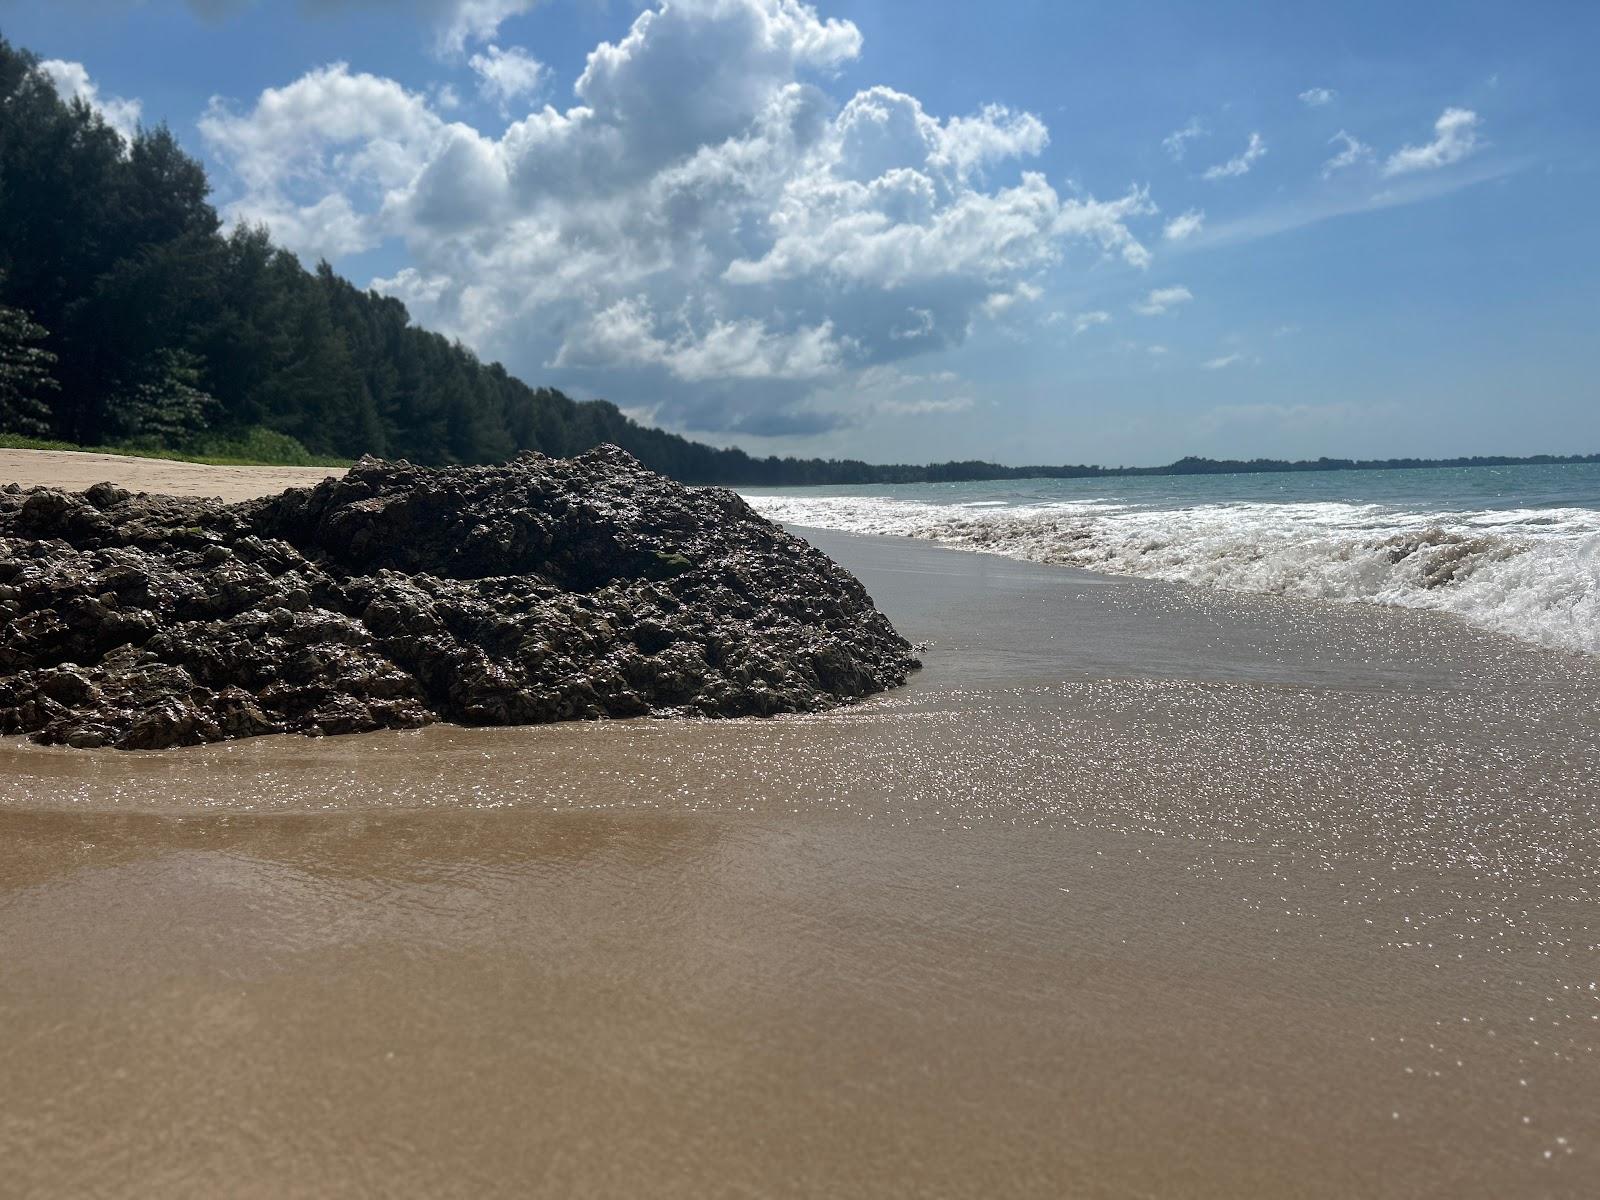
(1441, 489)
(1513, 549)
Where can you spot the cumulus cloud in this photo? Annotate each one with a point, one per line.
(1353, 152)
(1088, 320)
(71, 81)
(1239, 164)
(626, 334)
(505, 75)
(1162, 300)
(1185, 225)
(316, 157)
(691, 241)
(461, 22)
(1223, 361)
(1177, 142)
(1455, 137)
(1317, 97)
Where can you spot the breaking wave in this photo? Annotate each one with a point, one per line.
(1533, 574)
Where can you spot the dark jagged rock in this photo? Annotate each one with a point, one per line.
(542, 590)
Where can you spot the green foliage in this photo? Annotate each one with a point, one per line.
(273, 451)
(25, 373)
(174, 335)
(161, 406)
(258, 445)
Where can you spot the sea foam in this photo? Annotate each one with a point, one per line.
(1532, 574)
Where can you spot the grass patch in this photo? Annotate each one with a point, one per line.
(255, 448)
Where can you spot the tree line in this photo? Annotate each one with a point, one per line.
(130, 317)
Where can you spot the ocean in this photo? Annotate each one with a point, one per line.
(1515, 550)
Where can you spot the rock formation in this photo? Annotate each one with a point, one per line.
(541, 590)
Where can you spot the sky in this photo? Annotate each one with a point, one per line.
(1110, 232)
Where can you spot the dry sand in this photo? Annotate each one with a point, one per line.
(1136, 891)
(75, 471)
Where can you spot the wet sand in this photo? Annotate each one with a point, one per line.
(1135, 891)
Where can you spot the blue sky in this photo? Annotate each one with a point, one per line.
(1108, 232)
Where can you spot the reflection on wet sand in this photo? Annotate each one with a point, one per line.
(1278, 918)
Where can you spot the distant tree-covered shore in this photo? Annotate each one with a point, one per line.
(130, 319)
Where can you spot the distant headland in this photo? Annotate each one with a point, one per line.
(834, 471)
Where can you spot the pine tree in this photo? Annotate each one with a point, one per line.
(25, 374)
(162, 405)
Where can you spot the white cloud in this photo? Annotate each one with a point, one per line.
(71, 81)
(1161, 300)
(316, 157)
(1088, 320)
(1186, 225)
(1318, 97)
(1354, 151)
(919, 325)
(465, 21)
(889, 379)
(625, 333)
(1222, 361)
(504, 75)
(1327, 203)
(997, 303)
(326, 229)
(1455, 137)
(749, 228)
(1241, 163)
(1177, 142)
(994, 135)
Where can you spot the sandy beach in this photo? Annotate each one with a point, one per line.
(75, 471)
(1136, 890)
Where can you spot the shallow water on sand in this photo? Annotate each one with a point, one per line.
(1137, 890)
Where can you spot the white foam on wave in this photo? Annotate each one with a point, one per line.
(1533, 574)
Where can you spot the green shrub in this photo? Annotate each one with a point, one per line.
(257, 445)
(253, 448)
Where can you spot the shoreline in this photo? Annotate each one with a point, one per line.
(73, 470)
(1212, 633)
(1521, 566)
